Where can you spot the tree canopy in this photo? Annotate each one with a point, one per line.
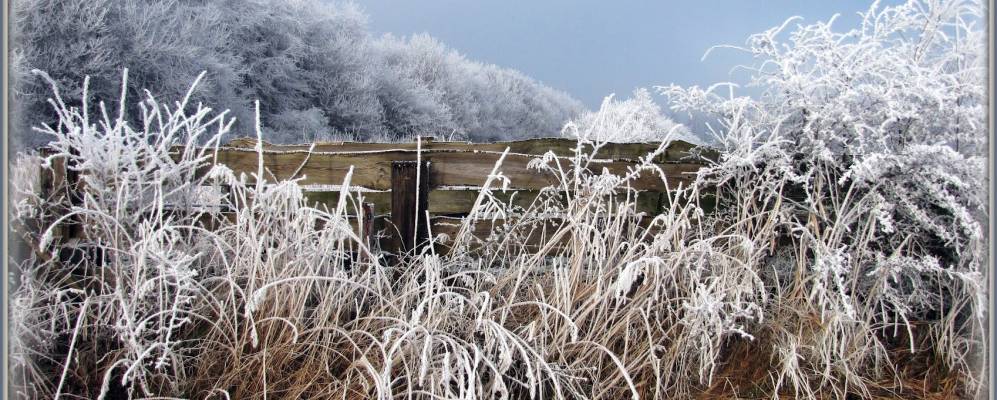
(314, 67)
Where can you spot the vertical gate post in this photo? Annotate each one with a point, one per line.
(409, 200)
(73, 226)
(367, 229)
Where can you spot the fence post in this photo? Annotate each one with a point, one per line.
(367, 229)
(61, 186)
(409, 201)
(73, 226)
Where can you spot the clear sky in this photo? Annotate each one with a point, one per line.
(592, 48)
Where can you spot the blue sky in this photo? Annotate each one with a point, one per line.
(593, 48)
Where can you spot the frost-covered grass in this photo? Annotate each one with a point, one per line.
(820, 274)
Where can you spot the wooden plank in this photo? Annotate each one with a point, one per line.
(447, 227)
(531, 236)
(456, 169)
(373, 171)
(59, 188)
(366, 222)
(678, 151)
(459, 202)
(381, 201)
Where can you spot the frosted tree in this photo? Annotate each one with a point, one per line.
(165, 45)
(902, 95)
(304, 55)
(484, 102)
(409, 86)
(638, 119)
(303, 59)
(867, 146)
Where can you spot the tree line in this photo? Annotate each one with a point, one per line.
(315, 68)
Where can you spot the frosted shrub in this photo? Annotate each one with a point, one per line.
(867, 148)
(638, 119)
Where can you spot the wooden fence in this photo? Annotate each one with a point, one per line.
(449, 177)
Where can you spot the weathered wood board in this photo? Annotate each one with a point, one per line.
(455, 202)
(678, 151)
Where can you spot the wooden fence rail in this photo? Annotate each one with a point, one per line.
(449, 176)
